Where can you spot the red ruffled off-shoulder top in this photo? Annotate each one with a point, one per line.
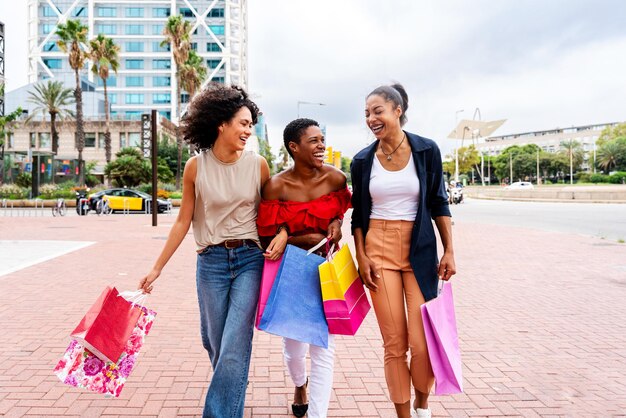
(302, 217)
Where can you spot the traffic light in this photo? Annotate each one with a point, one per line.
(337, 159)
(329, 155)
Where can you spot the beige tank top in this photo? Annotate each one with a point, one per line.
(227, 199)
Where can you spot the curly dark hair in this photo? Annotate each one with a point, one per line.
(294, 130)
(395, 93)
(210, 108)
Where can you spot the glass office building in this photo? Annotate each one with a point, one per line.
(146, 76)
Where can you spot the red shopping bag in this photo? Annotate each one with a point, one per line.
(106, 327)
(442, 340)
(270, 268)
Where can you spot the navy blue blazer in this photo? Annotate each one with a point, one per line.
(433, 202)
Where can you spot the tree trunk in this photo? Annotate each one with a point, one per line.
(107, 130)
(80, 133)
(179, 140)
(55, 139)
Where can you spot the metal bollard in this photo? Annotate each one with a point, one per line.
(126, 207)
(37, 201)
(148, 206)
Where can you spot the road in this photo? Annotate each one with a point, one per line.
(606, 221)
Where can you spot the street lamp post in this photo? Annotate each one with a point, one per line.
(456, 149)
(308, 103)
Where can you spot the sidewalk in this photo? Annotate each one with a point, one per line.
(541, 322)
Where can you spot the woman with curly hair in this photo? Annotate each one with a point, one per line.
(221, 194)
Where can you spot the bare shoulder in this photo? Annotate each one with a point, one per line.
(336, 177)
(191, 167)
(273, 188)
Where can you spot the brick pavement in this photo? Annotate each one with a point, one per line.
(541, 321)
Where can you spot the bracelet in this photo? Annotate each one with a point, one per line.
(336, 219)
(281, 227)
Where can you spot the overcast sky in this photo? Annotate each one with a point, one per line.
(540, 64)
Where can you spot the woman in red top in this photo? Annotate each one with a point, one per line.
(301, 206)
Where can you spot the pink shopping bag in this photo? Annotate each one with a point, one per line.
(443, 342)
(270, 268)
(80, 368)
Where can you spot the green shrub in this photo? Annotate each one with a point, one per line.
(145, 187)
(176, 195)
(24, 180)
(599, 178)
(583, 177)
(12, 191)
(48, 191)
(618, 178)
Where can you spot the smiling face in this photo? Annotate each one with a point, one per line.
(311, 148)
(382, 116)
(236, 131)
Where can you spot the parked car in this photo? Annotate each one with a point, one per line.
(520, 185)
(121, 199)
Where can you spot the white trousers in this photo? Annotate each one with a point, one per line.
(321, 380)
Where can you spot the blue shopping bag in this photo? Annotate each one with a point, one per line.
(294, 307)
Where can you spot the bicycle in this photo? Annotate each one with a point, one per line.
(59, 208)
(103, 208)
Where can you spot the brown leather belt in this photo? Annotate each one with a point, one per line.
(231, 244)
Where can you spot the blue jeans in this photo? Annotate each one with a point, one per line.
(228, 290)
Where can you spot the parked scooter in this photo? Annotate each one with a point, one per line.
(82, 203)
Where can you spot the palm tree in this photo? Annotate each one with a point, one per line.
(104, 55)
(192, 73)
(72, 38)
(51, 98)
(177, 34)
(574, 151)
(608, 155)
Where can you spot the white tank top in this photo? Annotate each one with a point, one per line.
(227, 199)
(395, 194)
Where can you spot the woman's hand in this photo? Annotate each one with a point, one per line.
(447, 267)
(277, 246)
(145, 284)
(367, 269)
(334, 231)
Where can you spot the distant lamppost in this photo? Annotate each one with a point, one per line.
(456, 148)
(308, 103)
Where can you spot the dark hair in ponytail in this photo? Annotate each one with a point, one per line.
(396, 94)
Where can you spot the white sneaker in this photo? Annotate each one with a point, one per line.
(420, 413)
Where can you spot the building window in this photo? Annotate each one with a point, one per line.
(186, 12)
(90, 140)
(161, 12)
(161, 81)
(101, 143)
(161, 98)
(49, 12)
(44, 140)
(10, 140)
(166, 114)
(53, 63)
(134, 98)
(80, 12)
(134, 64)
(161, 64)
(51, 46)
(132, 115)
(218, 80)
(134, 138)
(47, 28)
(158, 29)
(111, 81)
(216, 13)
(134, 29)
(134, 46)
(134, 12)
(213, 47)
(156, 47)
(184, 98)
(107, 12)
(194, 46)
(134, 81)
(107, 29)
(123, 142)
(213, 63)
(112, 98)
(217, 29)
(33, 140)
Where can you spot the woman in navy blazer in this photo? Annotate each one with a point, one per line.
(398, 188)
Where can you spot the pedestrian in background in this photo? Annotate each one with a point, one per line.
(398, 187)
(221, 194)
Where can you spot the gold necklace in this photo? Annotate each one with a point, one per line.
(391, 153)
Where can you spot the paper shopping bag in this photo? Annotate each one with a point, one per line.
(345, 302)
(294, 307)
(106, 327)
(443, 342)
(79, 367)
(270, 268)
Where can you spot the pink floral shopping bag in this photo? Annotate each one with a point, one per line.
(81, 368)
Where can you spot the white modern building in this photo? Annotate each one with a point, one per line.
(549, 140)
(146, 77)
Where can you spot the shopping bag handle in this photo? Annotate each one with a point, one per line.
(319, 244)
(136, 297)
